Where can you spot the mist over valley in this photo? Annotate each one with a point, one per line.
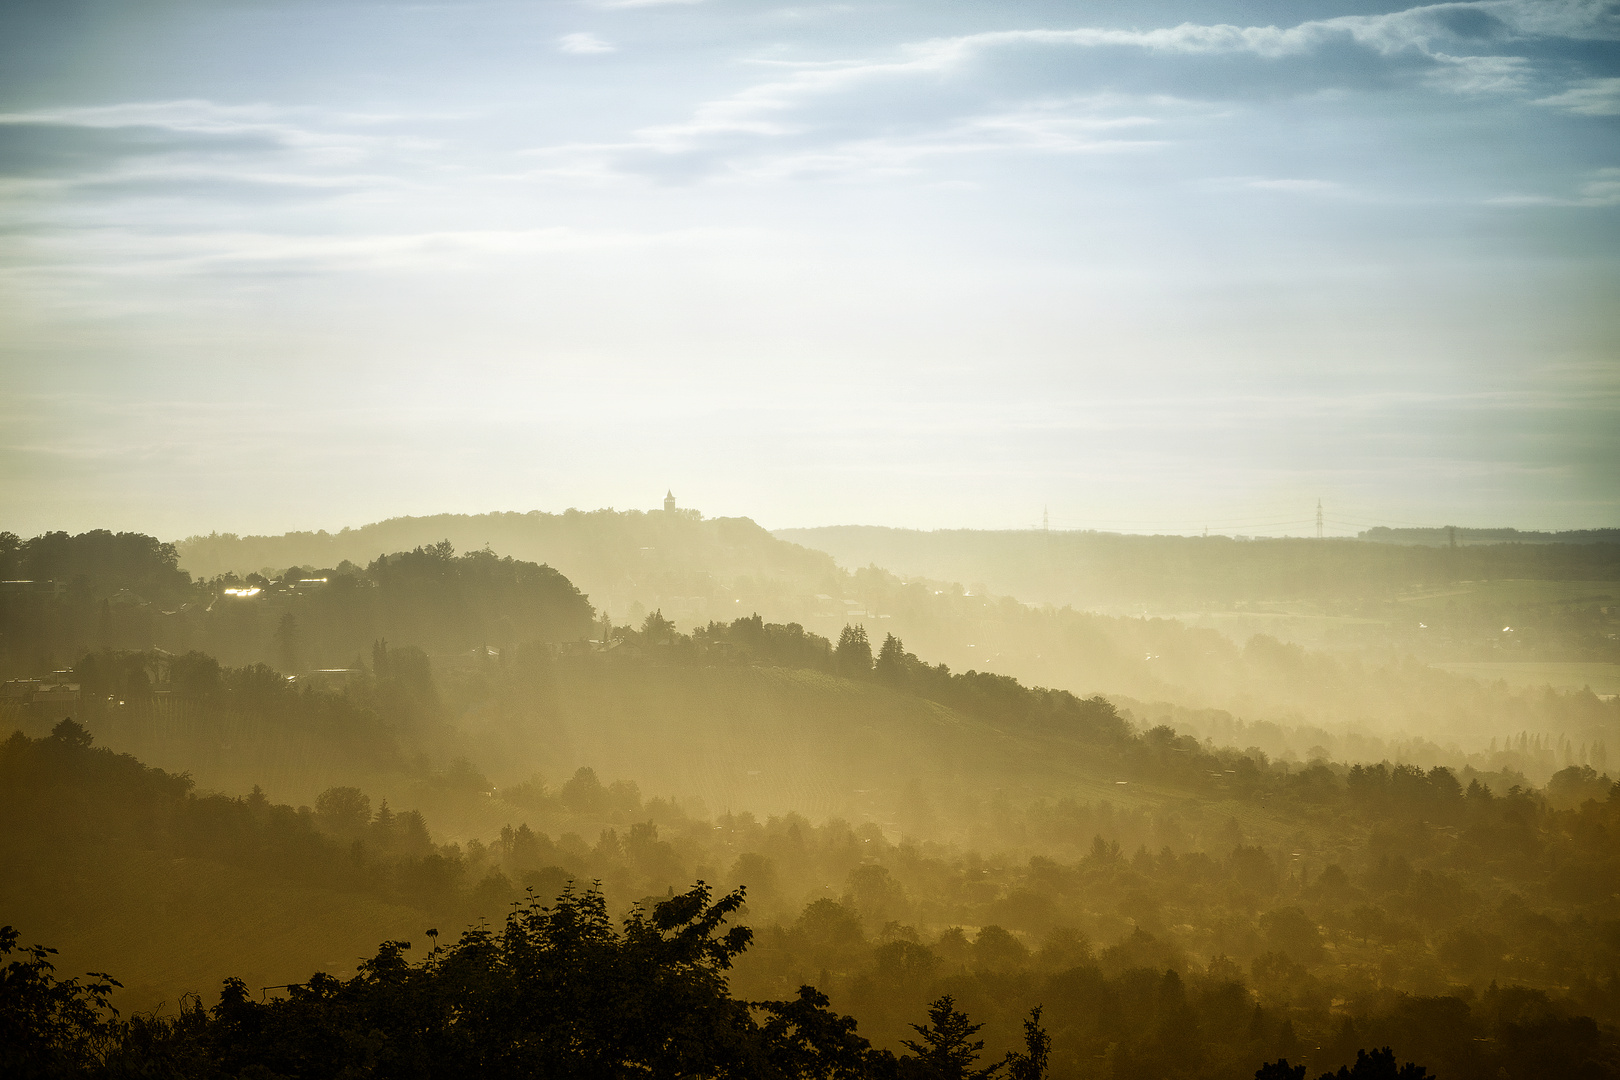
(430, 736)
(718, 540)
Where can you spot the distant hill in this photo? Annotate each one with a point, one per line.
(696, 570)
(1478, 603)
(768, 717)
(1452, 535)
(1114, 570)
(98, 591)
(691, 567)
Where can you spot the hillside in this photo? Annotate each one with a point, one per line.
(693, 568)
(312, 617)
(752, 714)
(128, 867)
(1119, 571)
(76, 597)
(1367, 605)
(694, 721)
(1466, 927)
(1485, 603)
(1446, 537)
(902, 830)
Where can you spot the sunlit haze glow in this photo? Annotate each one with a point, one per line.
(1153, 266)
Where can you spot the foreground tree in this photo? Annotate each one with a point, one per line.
(948, 1050)
(1370, 1065)
(559, 991)
(50, 1026)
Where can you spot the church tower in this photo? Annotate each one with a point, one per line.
(669, 502)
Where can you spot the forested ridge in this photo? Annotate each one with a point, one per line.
(1111, 574)
(1277, 963)
(126, 592)
(1173, 907)
(100, 590)
(1119, 567)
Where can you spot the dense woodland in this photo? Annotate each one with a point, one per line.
(1171, 906)
(126, 592)
(1443, 897)
(1439, 603)
(495, 1000)
(99, 590)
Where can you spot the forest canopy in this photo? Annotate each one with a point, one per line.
(100, 591)
(931, 848)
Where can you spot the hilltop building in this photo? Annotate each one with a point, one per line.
(669, 502)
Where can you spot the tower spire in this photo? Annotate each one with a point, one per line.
(1319, 519)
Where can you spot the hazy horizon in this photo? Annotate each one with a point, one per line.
(1300, 528)
(333, 331)
(1154, 267)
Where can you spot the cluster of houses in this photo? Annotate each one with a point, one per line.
(53, 691)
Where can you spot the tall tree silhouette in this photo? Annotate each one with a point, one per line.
(948, 1050)
(853, 655)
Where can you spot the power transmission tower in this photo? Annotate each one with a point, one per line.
(1319, 519)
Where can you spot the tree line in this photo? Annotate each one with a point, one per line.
(558, 991)
(99, 591)
(1239, 956)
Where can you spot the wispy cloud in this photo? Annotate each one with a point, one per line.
(1480, 74)
(951, 206)
(1592, 20)
(195, 149)
(1428, 31)
(720, 149)
(584, 44)
(1297, 186)
(930, 100)
(189, 114)
(290, 125)
(1602, 190)
(128, 253)
(326, 138)
(1589, 97)
(949, 96)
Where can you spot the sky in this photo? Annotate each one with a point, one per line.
(1148, 267)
